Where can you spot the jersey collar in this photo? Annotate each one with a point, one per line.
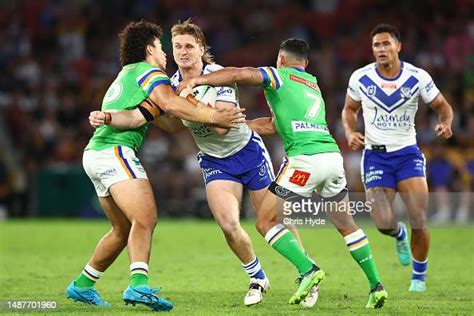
(390, 79)
(180, 77)
(300, 69)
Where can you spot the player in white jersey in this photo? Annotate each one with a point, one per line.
(230, 159)
(388, 92)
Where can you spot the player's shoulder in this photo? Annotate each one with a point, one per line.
(414, 70)
(208, 68)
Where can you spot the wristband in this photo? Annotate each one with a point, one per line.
(107, 118)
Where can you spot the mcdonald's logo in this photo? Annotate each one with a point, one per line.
(299, 178)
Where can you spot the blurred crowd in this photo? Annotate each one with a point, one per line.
(58, 58)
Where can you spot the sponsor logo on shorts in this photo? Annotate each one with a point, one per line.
(281, 191)
(263, 171)
(300, 178)
(138, 165)
(108, 173)
(373, 175)
(209, 172)
(419, 164)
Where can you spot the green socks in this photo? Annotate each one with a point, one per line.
(360, 250)
(283, 241)
(139, 274)
(87, 278)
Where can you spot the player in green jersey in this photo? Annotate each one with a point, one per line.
(313, 163)
(124, 192)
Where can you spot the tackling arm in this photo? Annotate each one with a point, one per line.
(225, 77)
(263, 125)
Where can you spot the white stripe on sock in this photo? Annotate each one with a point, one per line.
(92, 273)
(139, 267)
(279, 230)
(358, 234)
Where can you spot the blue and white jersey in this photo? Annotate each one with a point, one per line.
(389, 105)
(208, 141)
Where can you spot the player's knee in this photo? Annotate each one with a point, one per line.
(262, 225)
(230, 227)
(419, 220)
(145, 223)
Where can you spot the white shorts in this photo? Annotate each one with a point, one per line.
(109, 166)
(320, 173)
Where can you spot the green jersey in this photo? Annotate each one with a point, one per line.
(134, 83)
(298, 106)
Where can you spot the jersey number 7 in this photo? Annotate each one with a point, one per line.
(313, 111)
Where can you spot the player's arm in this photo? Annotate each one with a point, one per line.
(164, 98)
(190, 109)
(169, 124)
(445, 114)
(263, 125)
(225, 77)
(349, 121)
(222, 106)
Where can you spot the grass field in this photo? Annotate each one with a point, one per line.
(192, 263)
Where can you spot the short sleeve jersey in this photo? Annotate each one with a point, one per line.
(389, 105)
(134, 83)
(299, 109)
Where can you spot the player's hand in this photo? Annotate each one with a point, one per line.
(187, 83)
(96, 118)
(443, 130)
(356, 140)
(229, 118)
(186, 91)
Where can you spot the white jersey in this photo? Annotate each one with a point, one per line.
(208, 141)
(389, 105)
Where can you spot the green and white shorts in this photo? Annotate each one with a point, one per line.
(109, 166)
(304, 175)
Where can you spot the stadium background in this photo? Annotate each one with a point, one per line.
(58, 58)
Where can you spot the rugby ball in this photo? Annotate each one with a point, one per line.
(206, 94)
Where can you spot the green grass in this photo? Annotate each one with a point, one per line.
(197, 271)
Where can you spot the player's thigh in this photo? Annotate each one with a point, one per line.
(224, 197)
(135, 198)
(414, 192)
(340, 215)
(381, 198)
(270, 209)
(257, 197)
(115, 215)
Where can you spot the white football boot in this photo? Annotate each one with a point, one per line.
(256, 289)
(312, 297)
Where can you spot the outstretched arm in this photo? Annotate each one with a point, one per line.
(163, 98)
(349, 121)
(263, 125)
(225, 77)
(445, 113)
